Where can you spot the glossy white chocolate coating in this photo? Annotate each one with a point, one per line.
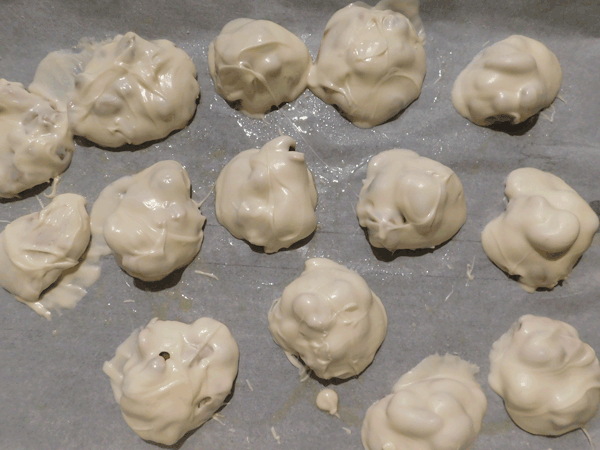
(267, 196)
(171, 377)
(36, 144)
(548, 378)
(257, 65)
(330, 319)
(55, 75)
(438, 405)
(327, 400)
(133, 91)
(410, 202)
(37, 248)
(543, 232)
(371, 62)
(149, 221)
(509, 81)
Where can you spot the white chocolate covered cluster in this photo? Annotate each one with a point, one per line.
(543, 232)
(371, 62)
(37, 248)
(36, 144)
(509, 81)
(410, 202)
(267, 196)
(149, 221)
(257, 65)
(330, 319)
(133, 91)
(438, 405)
(171, 377)
(548, 378)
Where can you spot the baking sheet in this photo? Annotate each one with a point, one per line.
(53, 393)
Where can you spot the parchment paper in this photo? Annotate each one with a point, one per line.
(53, 393)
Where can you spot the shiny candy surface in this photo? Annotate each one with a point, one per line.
(37, 248)
(543, 232)
(371, 63)
(149, 221)
(268, 196)
(36, 144)
(133, 91)
(438, 405)
(257, 65)
(548, 378)
(171, 377)
(509, 81)
(410, 202)
(330, 319)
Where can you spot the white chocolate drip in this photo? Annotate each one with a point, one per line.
(327, 400)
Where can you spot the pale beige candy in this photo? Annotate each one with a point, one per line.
(330, 319)
(408, 8)
(55, 75)
(543, 232)
(37, 248)
(36, 144)
(267, 196)
(171, 377)
(327, 400)
(149, 221)
(438, 405)
(257, 65)
(410, 202)
(509, 81)
(371, 62)
(548, 378)
(133, 91)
